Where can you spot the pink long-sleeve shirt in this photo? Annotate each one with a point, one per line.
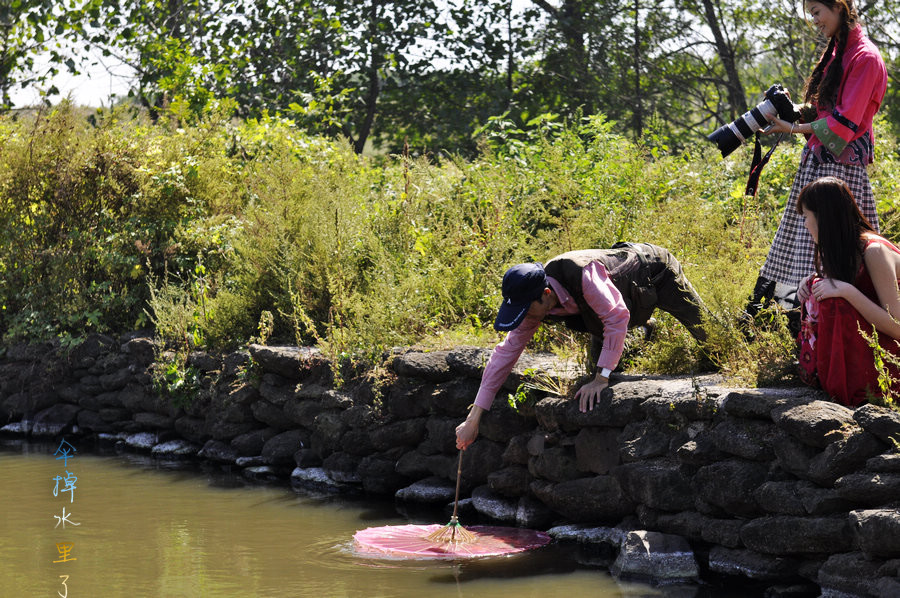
(599, 293)
(862, 89)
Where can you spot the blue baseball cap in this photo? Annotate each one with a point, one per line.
(522, 284)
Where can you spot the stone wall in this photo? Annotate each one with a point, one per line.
(672, 478)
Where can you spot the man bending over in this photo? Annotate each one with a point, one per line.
(600, 291)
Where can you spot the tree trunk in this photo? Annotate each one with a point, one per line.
(736, 98)
(570, 20)
(510, 58)
(638, 115)
(376, 61)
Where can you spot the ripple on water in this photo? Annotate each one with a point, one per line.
(340, 553)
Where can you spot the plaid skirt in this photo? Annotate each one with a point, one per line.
(790, 258)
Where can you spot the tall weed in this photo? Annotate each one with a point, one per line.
(88, 212)
(103, 225)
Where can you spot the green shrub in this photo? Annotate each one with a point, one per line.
(224, 232)
(88, 213)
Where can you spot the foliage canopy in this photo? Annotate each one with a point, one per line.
(430, 73)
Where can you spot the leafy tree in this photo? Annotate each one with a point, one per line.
(165, 42)
(27, 28)
(881, 20)
(280, 54)
(729, 39)
(608, 56)
(329, 61)
(386, 43)
(476, 72)
(577, 26)
(431, 73)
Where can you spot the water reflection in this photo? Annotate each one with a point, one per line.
(150, 528)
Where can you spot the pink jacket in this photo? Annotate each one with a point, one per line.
(862, 89)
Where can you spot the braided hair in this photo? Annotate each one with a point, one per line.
(822, 85)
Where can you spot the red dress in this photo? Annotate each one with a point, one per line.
(844, 361)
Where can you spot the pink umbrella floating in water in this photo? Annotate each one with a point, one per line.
(410, 541)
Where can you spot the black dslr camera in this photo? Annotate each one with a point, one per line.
(777, 103)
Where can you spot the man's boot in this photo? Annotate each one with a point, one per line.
(786, 296)
(763, 291)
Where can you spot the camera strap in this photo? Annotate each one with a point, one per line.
(757, 164)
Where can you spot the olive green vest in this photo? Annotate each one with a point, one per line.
(621, 264)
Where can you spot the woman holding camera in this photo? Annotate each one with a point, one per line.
(854, 289)
(845, 90)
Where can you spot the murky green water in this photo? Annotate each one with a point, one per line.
(146, 531)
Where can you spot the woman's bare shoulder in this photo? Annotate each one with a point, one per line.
(880, 255)
(878, 245)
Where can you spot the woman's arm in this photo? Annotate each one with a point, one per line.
(861, 94)
(881, 268)
(882, 262)
(783, 126)
(859, 97)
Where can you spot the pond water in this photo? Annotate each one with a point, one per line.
(147, 530)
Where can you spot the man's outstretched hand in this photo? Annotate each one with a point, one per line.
(467, 432)
(589, 394)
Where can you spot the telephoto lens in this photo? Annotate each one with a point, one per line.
(729, 137)
(777, 104)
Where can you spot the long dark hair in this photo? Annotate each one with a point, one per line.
(839, 251)
(822, 87)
